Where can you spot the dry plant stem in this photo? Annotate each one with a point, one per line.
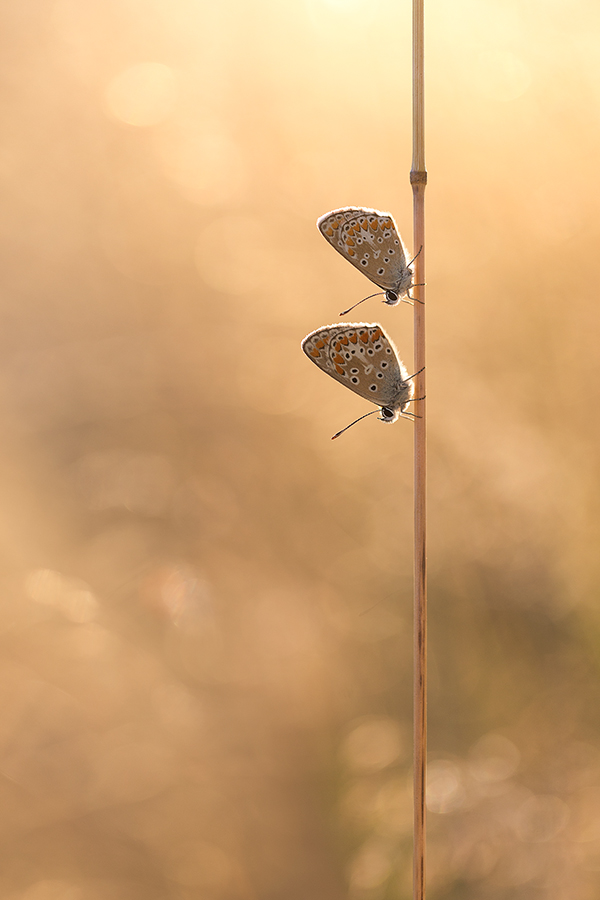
(418, 179)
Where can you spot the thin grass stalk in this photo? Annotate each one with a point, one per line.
(418, 180)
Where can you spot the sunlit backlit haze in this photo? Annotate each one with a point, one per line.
(205, 614)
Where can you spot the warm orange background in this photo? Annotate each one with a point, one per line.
(205, 617)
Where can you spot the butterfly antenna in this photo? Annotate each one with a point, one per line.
(346, 311)
(354, 423)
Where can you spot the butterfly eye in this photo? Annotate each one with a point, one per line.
(387, 413)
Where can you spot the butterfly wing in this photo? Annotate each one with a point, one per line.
(370, 241)
(364, 358)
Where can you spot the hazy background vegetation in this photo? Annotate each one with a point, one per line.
(205, 615)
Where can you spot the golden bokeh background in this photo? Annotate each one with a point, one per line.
(205, 620)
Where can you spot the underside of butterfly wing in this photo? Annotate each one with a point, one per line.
(362, 357)
(370, 241)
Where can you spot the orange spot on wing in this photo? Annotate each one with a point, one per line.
(376, 334)
(353, 337)
(350, 242)
(329, 231)
(344, 340)
(374, 225)
(320, 344)
(335, 225)
(351, 252)
(364, 225)
(364, 337)
(338, 359)
(339, 369)
(315, 353)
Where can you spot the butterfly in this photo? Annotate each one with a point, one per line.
(370, 241)
(364, 358)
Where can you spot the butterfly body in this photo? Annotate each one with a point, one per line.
(369, 239)
(363, 357)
